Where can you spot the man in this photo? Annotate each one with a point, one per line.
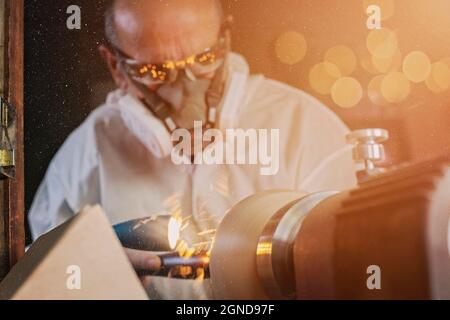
(171, 62)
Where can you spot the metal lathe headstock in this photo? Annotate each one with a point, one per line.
(294, 245)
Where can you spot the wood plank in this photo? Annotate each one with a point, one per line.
(14, 189)
(4, 252)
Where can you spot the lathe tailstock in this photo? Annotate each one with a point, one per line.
(289, 245)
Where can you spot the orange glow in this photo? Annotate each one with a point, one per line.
(200, 274)
(185, 271)
(182, 248)
(417, 116)
(264, 248)
(291, 47)
(382, 43)
(385, 65)
(431, 84)
(374, 91)
(367, 63)
(323, 76)
(342, 57)
(347, 92)
(440, 73)
(417, 66)
(189, 253)
(395, 87)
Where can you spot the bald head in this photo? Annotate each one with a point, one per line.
(160, 30)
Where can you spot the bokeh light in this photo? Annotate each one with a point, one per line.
(367, 64)
(387, 7)
(395, 87)
(342, 57)
(386, 65)
(374, 91)
(441, 75)
(382, 43)
(431, 84)
(291, 47)
(417, 66)
(346, 92)
(439, 79)
(322, 77)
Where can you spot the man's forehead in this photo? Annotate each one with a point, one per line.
(166, 29)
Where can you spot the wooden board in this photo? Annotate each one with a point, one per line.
(12, 207)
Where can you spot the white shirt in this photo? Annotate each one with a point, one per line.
(108, 159)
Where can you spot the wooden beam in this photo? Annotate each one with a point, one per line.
(14, 189)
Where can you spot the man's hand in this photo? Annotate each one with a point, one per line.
(144, 262)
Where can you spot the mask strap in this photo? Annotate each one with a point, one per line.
(157, 106)
(214, 94)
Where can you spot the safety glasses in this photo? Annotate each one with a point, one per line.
(194, 66)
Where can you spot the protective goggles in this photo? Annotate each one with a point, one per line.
(194, 66)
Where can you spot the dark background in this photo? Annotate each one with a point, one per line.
(65, 78)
